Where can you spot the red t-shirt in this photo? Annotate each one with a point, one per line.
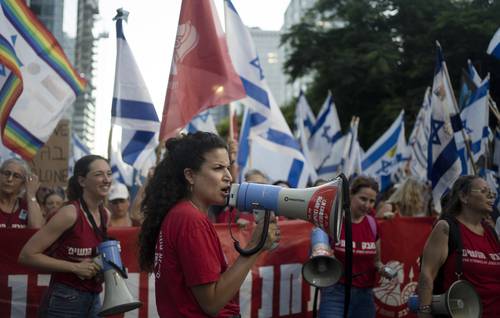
(188, 253)
(74, 245)
(17, 219)
(363, 254)
(480, 267)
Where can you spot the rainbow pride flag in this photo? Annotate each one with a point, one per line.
(41, 75)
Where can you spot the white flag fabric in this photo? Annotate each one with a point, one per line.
(132, 108)
(419, 139)
(444, 166)
(122, 172)
(304, 117)
(387, 155)
(475, 118)
(202, 122)
(326, 134)
(494, 46)
(268, 133)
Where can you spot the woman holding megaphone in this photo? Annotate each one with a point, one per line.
(467, 205)
(66, 245)
(177, 240)
(366, 257)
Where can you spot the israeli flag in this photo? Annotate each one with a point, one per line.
(132, 108)
(77, 150)
(271, 146)
(325, 135)
(350, 163)
(419, 139)
(122, 172)
(387, 155)
(444, 166)
(475, 119)
(202, 122)
(304, 118)
(494, 46)
(496, 152)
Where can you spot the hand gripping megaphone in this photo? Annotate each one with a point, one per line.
(117, 297)
(460, 301)
(321, 205)
(322, 269)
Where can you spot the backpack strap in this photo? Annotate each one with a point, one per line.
(455, 242)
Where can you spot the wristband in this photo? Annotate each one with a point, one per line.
(425, 309)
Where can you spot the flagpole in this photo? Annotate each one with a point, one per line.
(455, 105)
(231, 124)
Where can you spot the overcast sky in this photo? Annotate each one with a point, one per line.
(150, 33)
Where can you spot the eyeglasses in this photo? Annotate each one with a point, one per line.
(486, 191)
(7, 174)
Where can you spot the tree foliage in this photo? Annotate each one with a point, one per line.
(377, 57)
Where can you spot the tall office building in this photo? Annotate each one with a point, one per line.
(50, 13)
(83, 116)
(267, 44)
(295, 11)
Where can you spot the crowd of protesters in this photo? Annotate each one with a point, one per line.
(188, 188)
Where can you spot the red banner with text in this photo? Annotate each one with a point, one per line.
(274, 287)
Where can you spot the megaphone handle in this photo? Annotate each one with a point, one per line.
(119, 269)
(265, 228)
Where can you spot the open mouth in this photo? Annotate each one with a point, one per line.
(225, 190)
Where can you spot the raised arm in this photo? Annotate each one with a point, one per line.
(434, 256)
(35, 215)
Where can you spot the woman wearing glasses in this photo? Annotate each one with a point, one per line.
(18, 205)
(468, 205)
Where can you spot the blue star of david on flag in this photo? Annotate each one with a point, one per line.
(256, 63)
(385, 164)
(326, 136)
(467, 129)
(435, 126)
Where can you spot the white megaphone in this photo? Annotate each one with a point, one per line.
(321, 205)
(117, 297)
(322, 269)
(460, 301)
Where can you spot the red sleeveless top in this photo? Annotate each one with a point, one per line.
(18, 219)
(76, 244)
(480, 266)
(363, 253)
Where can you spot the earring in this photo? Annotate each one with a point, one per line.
(190, 187)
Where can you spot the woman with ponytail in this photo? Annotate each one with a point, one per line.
(178, 242)
(66, 245)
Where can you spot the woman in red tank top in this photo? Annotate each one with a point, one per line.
(468, 204)
(66, 245)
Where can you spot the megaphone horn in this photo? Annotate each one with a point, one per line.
(117, 297)
(322, 269)
(321, 205)
(460, 301)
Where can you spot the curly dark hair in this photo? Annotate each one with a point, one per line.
(82, 167)
(451, 201)
(168, 185)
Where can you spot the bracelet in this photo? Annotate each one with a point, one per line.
(425, 309)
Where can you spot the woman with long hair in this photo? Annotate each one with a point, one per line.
(66, 245)
(468, 205)
(366, 260)
(177, 240)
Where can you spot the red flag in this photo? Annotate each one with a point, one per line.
(201, 74)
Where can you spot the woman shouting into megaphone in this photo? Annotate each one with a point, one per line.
(177, 240)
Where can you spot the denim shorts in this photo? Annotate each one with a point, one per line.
(361, 305)
(62, 301)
